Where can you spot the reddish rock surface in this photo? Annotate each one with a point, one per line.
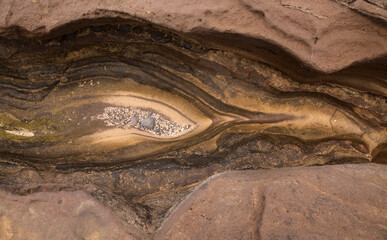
(60, 215)
(325, 35)
(326, 202)
(329, 202)
(372, 8)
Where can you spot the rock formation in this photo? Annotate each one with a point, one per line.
(329, 202)
(135, 103)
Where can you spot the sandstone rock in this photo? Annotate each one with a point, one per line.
(232, 85)
(328, 202)
(373, 8)
(60, 215)
(324, 34)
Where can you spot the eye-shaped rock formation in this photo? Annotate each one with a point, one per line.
(144, 108)
(55, 92)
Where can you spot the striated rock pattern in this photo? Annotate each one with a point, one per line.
(144, 101)
(323, 34)
(375, 9)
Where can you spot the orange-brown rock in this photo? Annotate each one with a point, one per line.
(144, 100)
(328, 202)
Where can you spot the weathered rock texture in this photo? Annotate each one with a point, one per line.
(60, 215)
(323, 34)
(256, 84)
(372, 8)
(329, 202)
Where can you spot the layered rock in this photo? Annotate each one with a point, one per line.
(324, 34)
(144, 100)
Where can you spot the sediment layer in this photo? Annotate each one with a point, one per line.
(245, 95)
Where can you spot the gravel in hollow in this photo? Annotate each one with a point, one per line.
(143, 120)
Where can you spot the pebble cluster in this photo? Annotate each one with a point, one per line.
(142, 119)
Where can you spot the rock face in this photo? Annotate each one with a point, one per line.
(312, 31)
(60, 215)
(373, 8)
(144, 100)
(330, 202)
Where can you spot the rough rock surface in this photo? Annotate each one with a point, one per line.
(325, 202)
(328, 202)
(232, 85)
(373, 8)
(60, 215)
(324, 34)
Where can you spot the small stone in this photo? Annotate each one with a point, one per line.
(158, 132)
(148, 123)
(134, 121)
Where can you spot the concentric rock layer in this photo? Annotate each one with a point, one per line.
(144, 101)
